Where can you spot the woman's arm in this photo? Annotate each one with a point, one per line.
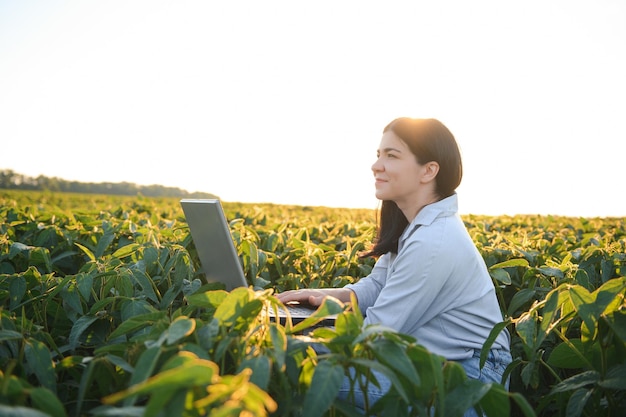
(368, 287)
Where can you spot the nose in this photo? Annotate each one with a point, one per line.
(377, 166)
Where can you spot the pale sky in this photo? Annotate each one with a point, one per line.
(285, 101)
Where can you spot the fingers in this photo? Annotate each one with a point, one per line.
(311, 297)
(315, 300)
(294, 295)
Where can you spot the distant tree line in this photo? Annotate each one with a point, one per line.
(13, 181)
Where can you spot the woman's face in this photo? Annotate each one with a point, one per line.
(397, 172)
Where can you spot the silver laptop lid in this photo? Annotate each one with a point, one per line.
(214, 243)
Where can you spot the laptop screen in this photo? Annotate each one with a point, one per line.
(213, 242)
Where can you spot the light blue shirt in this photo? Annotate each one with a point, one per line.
(436, 288)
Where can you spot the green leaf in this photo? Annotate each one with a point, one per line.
(577, 381)
(590, 306)
(501, 276)
(84, 284)
(615, 378)
(41, 257)
(530, 374)
(135, 307)
(143, 369)
(166, 402)
(126, 250)
(79, 327)
(105, 240)
(71, 298)
(179, 329)
(509, 264)
(17, 290)
(46, 400)
(63, 255)
(551, 272)
(617, 322)
(349, 323)
(522, 403)
(261, 370)
(150, 256)
(464, 396)
(86, 251)
(520, 298)
(329, 307)
(346, 409)
(279, 344)
(496, 401)
(430, 368)
(568, 355)
(453, 375)
(7, 411)
(60, 286)
(6, 335)
(327, 380)
(146, 365)
(198, 372)
(377, 366)
(86, 380)
(582, 278)
(190, 287)
(40, 363)
(229, 311)
(137, 322)
(526, 328)
(392, 355)
(109, 411)
(124, 284)
(146, 284)
(550, 311)
(250, 257)
(207, 299)
(120, 363)
(493, 335)
(576, 403)
(580, 296)
(610, 296)
(18, 248)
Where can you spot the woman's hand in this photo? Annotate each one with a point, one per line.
(314, 297)
(311, 297)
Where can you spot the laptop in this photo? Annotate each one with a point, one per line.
(218, 257)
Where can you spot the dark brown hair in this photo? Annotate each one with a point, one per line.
(429, 140)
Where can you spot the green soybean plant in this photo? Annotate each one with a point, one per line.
(574, 342)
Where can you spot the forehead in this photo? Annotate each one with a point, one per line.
(390, 140)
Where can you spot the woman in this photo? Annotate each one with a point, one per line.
(429, 281)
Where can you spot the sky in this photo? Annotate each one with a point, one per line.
(285, 101)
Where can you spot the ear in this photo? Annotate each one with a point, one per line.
(430, 171)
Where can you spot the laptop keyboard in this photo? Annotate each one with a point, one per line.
(299, 310)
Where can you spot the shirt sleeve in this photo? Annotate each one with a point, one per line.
(368, 288)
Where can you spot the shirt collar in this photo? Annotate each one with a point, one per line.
(449, 206)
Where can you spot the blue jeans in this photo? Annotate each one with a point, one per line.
(492, 371)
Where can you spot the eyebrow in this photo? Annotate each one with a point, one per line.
(390, 150)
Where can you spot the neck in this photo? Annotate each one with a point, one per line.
(411, 210)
